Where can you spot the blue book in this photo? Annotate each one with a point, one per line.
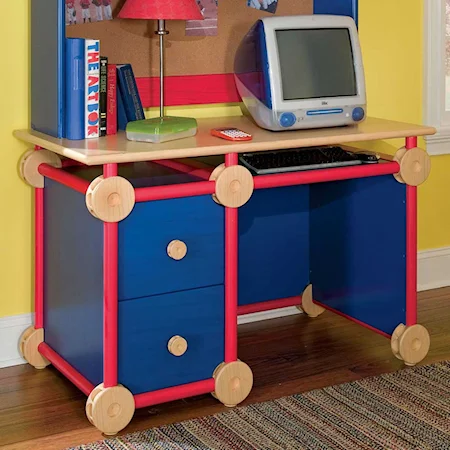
(75, 88)
(121, 114)
(337, 7)
(48, 33)
(130, 94)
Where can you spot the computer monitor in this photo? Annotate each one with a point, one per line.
(295, 72)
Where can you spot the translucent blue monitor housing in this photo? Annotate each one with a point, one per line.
(295, 72)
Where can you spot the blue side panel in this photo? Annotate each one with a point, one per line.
(47, 66)
(338, 7)
(274, 244)
(144, 266)
(146, 326)
(358, 247)
(73, 280)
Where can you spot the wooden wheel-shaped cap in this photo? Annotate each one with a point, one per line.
(28, 347)
(110, 409)
(110, 199)
(30, 162)
(410, 344)
(308, 306)
(233, 382)
(234, 185)
(177, 249)
(415, 166)
(177, 345)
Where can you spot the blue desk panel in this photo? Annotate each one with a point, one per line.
(274, 244)
(358, 249)
(73, 280)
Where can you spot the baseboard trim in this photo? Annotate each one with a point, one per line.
(433, 271)
(10, 330)
(265, 315)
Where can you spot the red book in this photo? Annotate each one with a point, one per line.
(111, 101)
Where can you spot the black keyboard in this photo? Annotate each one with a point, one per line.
(298, 159)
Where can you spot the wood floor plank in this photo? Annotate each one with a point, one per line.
(43, 410)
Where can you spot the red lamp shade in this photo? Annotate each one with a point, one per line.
(161, 9)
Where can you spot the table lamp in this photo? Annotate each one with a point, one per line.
(162, 128)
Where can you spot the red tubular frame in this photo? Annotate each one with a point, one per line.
(184, 168)
(110, 296)
(174, 191)
(269, 305)
(38, 258)
(411, 246)
(174, 393)
(65, 368)
(67, 179)
(231, 274)
(333, 174)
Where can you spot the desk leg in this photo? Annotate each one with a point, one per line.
(231, 274)
(411, 247)
(110, 308)
(110, 406)
(411, 342)
(33, 336)
(233, 379)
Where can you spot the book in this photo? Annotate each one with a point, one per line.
(103, 94)
(122, 119)
(129, 92)
(48, 33)
(75, 88)
(111, 100)
(92, 94)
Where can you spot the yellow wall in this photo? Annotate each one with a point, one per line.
(16, 224)
(391, 36)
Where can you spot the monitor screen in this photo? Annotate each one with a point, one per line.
(316, 63)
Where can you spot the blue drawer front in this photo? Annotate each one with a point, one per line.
(274, 244)
(147, 324)
(144, 266)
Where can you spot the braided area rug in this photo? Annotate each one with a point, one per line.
(408, 409)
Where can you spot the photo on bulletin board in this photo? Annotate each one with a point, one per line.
(207, 26)
(86, 11)
(264, 5)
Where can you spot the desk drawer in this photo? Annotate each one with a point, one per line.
(147, 325)
(145, 268)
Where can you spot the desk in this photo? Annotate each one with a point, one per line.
(147, 253)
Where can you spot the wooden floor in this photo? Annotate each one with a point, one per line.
(42, 410)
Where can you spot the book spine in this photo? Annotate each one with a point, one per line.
(122, 118)
(130, 93)
(111, 100)
(103, 94)
(92, 93)
(75, 88)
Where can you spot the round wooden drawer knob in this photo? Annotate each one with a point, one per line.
(177, 249)
(177, 345)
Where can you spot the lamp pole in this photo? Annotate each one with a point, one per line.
(161, 32)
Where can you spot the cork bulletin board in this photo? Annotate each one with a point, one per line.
(134, 41)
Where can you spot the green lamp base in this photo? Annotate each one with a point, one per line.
(161, 129)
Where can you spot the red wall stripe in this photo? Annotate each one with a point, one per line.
(189, 90)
